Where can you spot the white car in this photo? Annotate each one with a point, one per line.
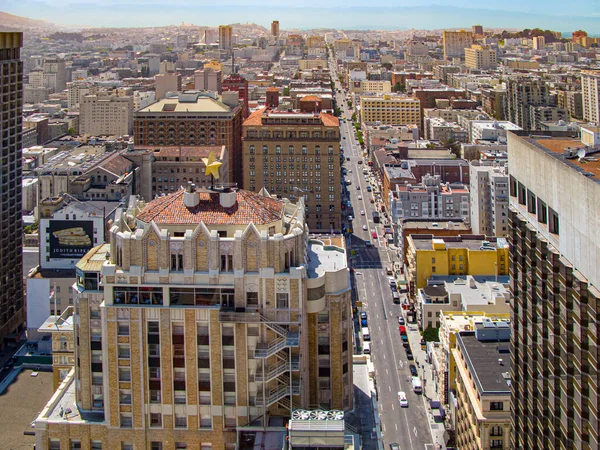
(402, 399)
(365, 227)
(350, 218)
(362, 213)
(360, 197)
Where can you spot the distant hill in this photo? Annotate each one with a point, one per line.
(10, 21)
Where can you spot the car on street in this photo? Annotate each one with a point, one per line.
(373, 234)
(372, 200)
(357, 187)
(409, 355)
(343, 137)
(367, 243)
(362, 213)
(350, 218)
(350, 171)
(363, 314)
(413, 370)
(348, 159)
(365, 227)
(401, 320)
(394, 446)
(360, 160)
(402, 399)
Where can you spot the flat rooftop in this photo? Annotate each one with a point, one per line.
(589, 165)
(435, 225)
(483, 362)
(188, 103)
(326, 254)
(21, 402)
(470, 242)
(475, 291)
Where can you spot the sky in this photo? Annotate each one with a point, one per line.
(559, 15)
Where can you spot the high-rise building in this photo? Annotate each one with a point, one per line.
(216, 316)
(554, 254)
(166, 82)
(12, 310)
(480, 57)
(590, 93)
(239, 84)
(225, 37)
(455, 42)
(275, 28)
(55, 68)
(306, 147)
(195, 119)
(489, 199)
(390, 110)
(208, 79)
(521, 93)
(106, 115)
(477, 30)
(539, 42)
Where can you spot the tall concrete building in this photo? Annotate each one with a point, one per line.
(239, 84)
(455, 42)
(12, 306)
(55, 68)
(477, 30)
(480, 57)
(106, 116)
(225, 37)
(389, 109)
(539, 42)
(554, 254)
(275, 28)
(216, 317)
(208, 79)
(590, 91)
(521, 94)
(489, 199)
(166, 82)
(296, 154)
(195, 119)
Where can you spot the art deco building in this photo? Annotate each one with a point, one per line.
(210, 312)
(225, 37)
(554, 267)
(293, 154)
(12, 306)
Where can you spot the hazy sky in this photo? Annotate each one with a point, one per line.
(554, 14)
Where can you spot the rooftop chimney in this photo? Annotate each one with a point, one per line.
(228, 198)
(191, 198)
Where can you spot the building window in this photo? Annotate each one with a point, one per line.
(251, 298)
(96, 445)
(496, 406)
(496, 443)
(180, 445)
(75, 444)
(126, 446)
(542, 212)
(521, 194)
(123, 329)
(180, 421)
(126, 421)
(155, 419)
(496, 431)
(553, 225)
(124, 397)
(283, 301)
(124, 374)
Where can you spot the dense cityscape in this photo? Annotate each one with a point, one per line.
(236, 237)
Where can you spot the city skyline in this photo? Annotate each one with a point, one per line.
(351, 15)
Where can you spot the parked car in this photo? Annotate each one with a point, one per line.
(409, 355)
(401, 320)
(363, 314)
(413, 370)
(402, 399)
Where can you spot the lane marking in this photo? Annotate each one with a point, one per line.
(415, 431)
(393, 409)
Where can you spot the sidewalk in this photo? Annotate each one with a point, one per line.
(429, 392)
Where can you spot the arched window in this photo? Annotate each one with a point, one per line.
(63, 343)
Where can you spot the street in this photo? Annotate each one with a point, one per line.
(409, 427)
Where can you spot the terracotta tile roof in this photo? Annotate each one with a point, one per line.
(255, 119)
(329, 120)
(250, 207)
(310, 98)
(272, 89)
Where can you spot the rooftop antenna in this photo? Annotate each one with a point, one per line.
(581, 154)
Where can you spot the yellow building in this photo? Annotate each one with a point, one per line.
(390, 110)
(482, 407)
(480, 57)
(214, 65)
(454, 255)
(63, 348)
(315, 41)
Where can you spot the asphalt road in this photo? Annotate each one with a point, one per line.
(409, 427)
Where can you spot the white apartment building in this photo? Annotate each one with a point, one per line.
(106, 116)
(439, 129)
(491, 130)
(590, 88)
(489, 198)
(431, 199)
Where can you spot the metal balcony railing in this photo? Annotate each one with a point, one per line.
(272, 371)
(266, 349)
(273, 396)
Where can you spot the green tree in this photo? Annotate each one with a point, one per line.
(387, 66)
(431, 334)
(286, 91)
(399, 87)
(72, 131)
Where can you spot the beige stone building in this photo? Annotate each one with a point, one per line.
(210, 313)
(455, 42)
(480, 57)
(390, 110)
(292, 154)
(482, 413)
(63, 344)
(105, 116)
